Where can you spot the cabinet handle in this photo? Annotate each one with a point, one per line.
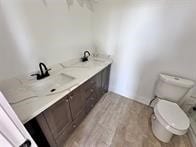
(71, 97)
(67, 100)
(74, 126)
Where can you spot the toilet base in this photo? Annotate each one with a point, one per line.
(159, 131)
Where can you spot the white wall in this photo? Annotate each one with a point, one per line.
(146, 37)
(31, 31)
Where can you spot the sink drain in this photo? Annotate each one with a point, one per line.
(52, 90)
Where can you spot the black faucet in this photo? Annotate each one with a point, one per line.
(42, 74)
(86, 55)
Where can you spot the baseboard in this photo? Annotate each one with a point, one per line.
(138, 99)
(142, 100)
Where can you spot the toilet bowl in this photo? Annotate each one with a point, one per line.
(168, 119)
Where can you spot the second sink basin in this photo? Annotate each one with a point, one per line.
(51, 85)
(89, 64)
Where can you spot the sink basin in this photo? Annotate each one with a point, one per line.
(51, 85)
(91, 63)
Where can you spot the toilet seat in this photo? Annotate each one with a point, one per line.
(172, 117)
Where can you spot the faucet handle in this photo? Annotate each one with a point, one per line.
(49, 69)
(35, 74)
(38, 76)
(47, 73)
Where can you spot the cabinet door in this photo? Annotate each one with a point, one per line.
(58, 116)
(105, 79)
(77, 102)
(62, 138)
(99, 90)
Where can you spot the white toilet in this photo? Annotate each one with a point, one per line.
(168, 118)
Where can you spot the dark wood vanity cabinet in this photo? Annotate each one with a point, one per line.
(59, 120)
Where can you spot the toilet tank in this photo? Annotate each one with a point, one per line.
(172, 88)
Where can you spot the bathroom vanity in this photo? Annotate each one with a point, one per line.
(53, 115)
(60, 120)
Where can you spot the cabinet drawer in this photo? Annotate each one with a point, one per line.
(89, 90)
(90, 82)
(89, 87)
(90, 103)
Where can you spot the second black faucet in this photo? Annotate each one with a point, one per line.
(86, 55)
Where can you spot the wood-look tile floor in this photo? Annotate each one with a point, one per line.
(119, 122)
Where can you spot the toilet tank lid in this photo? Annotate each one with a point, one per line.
(182, 82)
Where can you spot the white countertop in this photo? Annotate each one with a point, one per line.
(27, 109)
